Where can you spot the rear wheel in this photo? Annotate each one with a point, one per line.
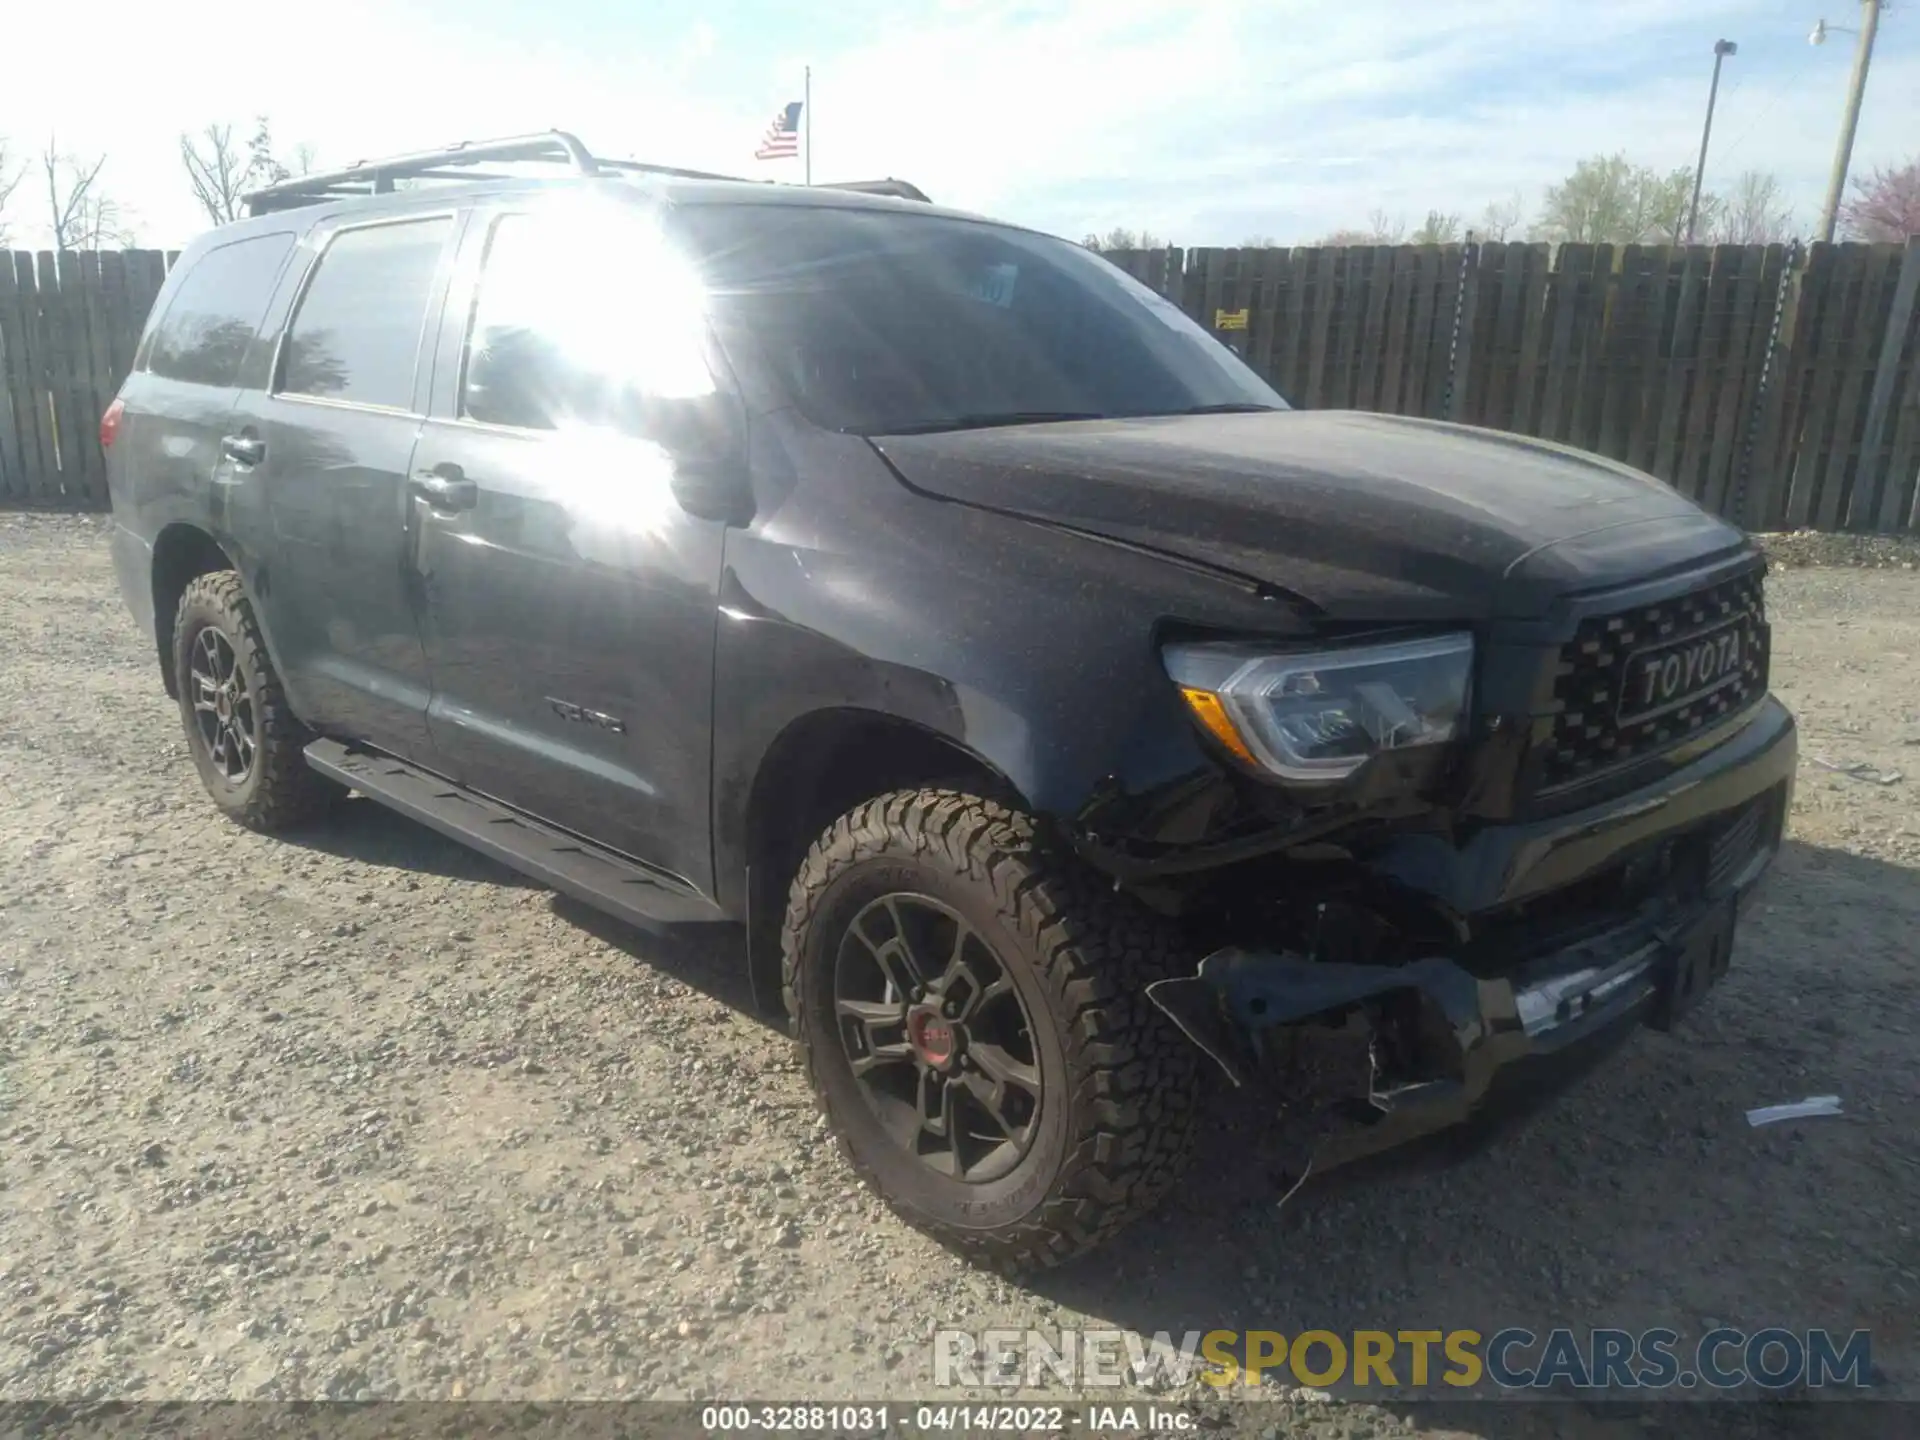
(243, 736)
(970, 1003)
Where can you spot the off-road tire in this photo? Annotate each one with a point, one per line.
(280, 791)
(1129, 1088)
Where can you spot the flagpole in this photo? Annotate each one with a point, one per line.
(806, 119)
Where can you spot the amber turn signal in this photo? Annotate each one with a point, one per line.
(1213, 718)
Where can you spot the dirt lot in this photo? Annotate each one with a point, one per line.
(361, 1114)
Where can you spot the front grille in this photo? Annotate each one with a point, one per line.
(1589, 736)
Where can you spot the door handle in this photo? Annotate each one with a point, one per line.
(243, 449)
(445, 487)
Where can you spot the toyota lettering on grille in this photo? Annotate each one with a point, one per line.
(1667, 677)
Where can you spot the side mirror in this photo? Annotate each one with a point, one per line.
(706, 438)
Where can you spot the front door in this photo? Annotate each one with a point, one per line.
(569, 602)
(330, 443)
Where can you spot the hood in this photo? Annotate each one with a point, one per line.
(1365, 517)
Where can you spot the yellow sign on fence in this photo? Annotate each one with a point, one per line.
(1229, 319)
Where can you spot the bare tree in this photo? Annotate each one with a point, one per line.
(223, 174)
(1381, 229)
(1753, 212)
(83, 215)
(219, 173)
(1437, 229)
(10, 177)
(1501, 218)
(1121, 238)
(1391, 231)
(1885, 204)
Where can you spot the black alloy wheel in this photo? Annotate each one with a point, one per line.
(223, 708)
(938, 1038)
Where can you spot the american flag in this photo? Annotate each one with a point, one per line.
(783, 135)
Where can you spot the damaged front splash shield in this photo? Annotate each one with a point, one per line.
(1433, 1033)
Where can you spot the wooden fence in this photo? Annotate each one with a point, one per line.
(68, 325)
(1777, 386)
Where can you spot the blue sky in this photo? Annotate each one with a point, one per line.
(1205, 120)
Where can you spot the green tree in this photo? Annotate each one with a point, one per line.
(1609, 200)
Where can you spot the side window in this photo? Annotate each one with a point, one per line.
(356, 334)
(215, 312)
(555, 343)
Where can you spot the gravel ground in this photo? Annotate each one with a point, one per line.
(360, 1114)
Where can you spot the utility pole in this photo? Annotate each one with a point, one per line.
(806, 120)
(1721, 49)
(1843, 156)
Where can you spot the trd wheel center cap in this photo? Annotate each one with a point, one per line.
(223, 706)
(935, 1039)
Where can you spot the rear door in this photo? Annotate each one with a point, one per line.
(177, 403)
(329, 442)
(570, 602)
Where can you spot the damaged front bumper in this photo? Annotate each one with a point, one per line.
(1389, 1053)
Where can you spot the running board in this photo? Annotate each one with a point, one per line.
(569, 864)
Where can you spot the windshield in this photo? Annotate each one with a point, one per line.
(877, 322)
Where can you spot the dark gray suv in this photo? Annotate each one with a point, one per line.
(1061, 717)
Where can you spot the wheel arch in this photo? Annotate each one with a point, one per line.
(820, 766)
(182, 552)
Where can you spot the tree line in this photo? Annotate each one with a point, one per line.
(1610, 200)
(71, 194)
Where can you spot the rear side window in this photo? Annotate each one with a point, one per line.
(356, 335)
(217, 309)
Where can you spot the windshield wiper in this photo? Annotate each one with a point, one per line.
(989, 420)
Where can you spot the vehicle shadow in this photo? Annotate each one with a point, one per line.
(363, 830)
(1639, 1197)
(708, 958)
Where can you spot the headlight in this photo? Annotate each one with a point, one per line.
(1321, 715)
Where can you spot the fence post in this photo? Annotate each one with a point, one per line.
(1460, 347)
(1762, 391)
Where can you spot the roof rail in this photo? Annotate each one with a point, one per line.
(376, 177)
(553, 147)
(899, 189)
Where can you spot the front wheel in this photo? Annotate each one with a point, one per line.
(970, 1003)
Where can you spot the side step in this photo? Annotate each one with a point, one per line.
(569, 864)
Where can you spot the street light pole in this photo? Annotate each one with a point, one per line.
(1721, 49)
(1843, 156)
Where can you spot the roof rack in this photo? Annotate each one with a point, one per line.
(552, 147)
(377, 177)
